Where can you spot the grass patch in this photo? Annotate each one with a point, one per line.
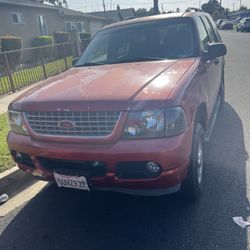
(6, 161)
(25, 77)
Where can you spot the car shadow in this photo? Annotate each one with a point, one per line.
(69, 219)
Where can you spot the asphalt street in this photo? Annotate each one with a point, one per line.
(68, 219)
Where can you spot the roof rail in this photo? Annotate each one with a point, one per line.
(193, 9)
(129, 18)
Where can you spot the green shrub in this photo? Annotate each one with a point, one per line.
(42, 41)
(61, 37)
(9, 43)
(85, 35)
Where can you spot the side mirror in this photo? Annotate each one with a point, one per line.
(215, 50)
(74, 61)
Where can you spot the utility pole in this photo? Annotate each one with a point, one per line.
(233, 6)
(240, 3)
(104, 7)
(110, 4)
(156, 7)
(220, 8)
(199, 4)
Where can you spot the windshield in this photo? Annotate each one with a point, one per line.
(158, 40)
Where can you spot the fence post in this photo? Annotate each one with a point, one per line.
(65, 56)
(43, 64)
(7, 64)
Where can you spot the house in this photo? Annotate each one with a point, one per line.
(116, 15)
(28, 19)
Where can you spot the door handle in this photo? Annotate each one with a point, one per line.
(216, 61)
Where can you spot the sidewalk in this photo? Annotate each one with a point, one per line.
(6, 99)
(14, 181)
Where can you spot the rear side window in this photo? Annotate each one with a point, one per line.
(204, 38)
(210, 29)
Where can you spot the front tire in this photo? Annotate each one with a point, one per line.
(192, 186)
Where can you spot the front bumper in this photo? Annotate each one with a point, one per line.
(172, 154)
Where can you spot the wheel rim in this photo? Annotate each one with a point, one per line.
(200, 161)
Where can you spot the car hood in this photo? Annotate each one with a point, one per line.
(105, 87)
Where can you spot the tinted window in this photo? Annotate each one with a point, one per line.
(167, 39)
(210, 29)
(204, 38)
(215, 28)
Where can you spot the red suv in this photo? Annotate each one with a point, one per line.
(132, 115)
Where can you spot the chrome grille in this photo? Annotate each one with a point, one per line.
(85, 124)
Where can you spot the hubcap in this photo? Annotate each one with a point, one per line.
(200, 161)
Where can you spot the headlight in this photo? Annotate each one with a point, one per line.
(16, 123)
(146, 124)
(155, 123)
(176, 121)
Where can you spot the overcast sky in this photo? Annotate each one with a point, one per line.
(96, 5)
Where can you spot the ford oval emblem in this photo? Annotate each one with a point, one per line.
(66, 124)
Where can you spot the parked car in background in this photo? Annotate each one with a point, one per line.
(244, 25)
(133, 114)
(227, 25)
(219, 22)
(237, 20)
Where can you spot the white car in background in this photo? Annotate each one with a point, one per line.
(244, 25)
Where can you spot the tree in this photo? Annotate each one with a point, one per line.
(144, 12)
(214, 9)
(59, 3)
(227, 12)
(242, 7)
(141, 12)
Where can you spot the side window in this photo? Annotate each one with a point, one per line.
(210, 29)
(67, 26)
(17, 18)
(217, 34)
(204, 38)
(42, 25)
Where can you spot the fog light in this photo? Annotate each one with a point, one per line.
(153, 169)
(95, 163)
(18, 156)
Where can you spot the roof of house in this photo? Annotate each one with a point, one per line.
(62, 11)
(115, 15)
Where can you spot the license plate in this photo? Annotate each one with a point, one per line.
(77, 182)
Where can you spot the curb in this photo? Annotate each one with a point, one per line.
(14, 181)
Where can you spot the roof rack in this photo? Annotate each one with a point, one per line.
(193, 9)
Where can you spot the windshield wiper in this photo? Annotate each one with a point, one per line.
(139, 59)
(135, 59)
(89, 64)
